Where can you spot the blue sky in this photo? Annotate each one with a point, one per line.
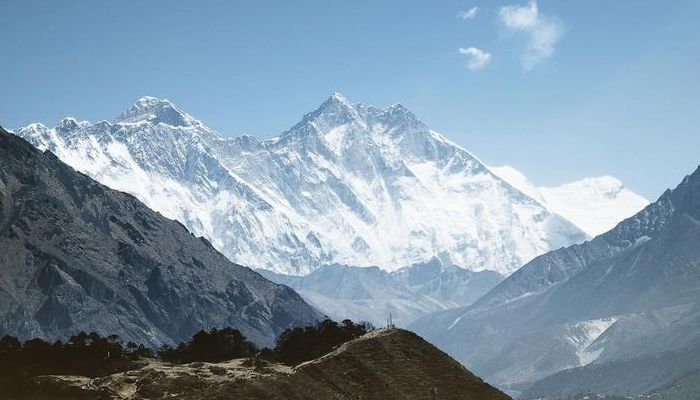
(560, 90)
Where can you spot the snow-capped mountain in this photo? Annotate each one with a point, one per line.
(595, 204)
(349, 184)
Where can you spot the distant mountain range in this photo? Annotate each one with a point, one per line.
(349, 184)
(623, 307)
(77, 255)
(371, 294)
(595, 205)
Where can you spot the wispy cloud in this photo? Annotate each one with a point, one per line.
(468, 14)
(477, 58)
(542, 32)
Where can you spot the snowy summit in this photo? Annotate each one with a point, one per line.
(350, 183)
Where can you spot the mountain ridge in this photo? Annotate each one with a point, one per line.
(80, 256)
(628, 293)
(371, 171)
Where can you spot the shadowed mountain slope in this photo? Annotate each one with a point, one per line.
(632, 292)
(76, 255)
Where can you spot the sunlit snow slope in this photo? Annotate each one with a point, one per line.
(348, 184)
(595, 205)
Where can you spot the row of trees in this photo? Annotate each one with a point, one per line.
(297, 345)
(83, 354)
(92, 355)
(213, 346)
(293, 346)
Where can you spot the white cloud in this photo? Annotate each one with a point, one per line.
(542, 32)
(478, 58)
(468, 14)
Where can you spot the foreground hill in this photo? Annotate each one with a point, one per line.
(632, 293)
(76, 255)
(384, 364)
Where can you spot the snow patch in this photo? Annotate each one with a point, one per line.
(584, 334)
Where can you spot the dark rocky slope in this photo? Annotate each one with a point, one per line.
(384, 364)
(76, 255)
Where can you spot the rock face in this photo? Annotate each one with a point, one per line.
(385, 364)
(371, 294)
(349, 184)
(76, 255)
(631, 293)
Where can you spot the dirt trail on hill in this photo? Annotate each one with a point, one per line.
(384, 364)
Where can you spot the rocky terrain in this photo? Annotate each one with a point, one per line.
(384, 364)
(77, 255)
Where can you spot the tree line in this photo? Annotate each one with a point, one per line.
(83, 354)
(292, 347)
(92, 355)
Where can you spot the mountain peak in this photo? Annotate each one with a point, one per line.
(694, 176)
(338, 110)
(338, 97)
(336, 102)
(70, 124)
(151, 99)
(604, 181)
(399, 114)
(156, 110)
(335, 111)
(36, 126)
